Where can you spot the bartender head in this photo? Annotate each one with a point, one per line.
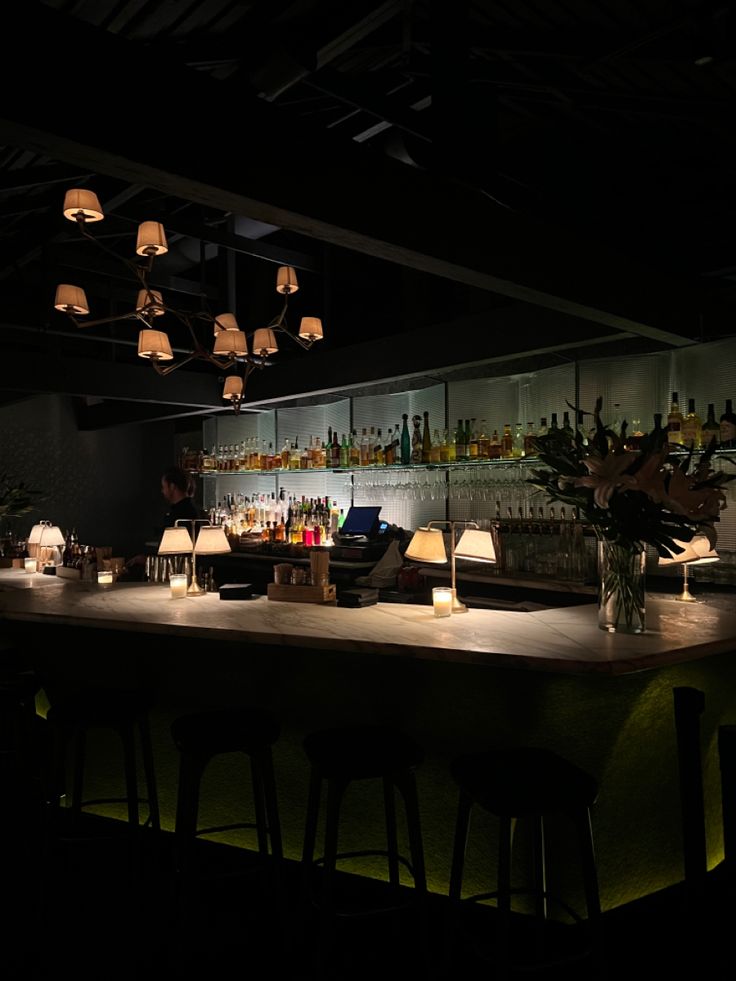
(177, 488)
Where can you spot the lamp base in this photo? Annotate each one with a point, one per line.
(457, 606)
(195, 589)
(686, 597)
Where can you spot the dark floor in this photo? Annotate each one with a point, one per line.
(85, 907)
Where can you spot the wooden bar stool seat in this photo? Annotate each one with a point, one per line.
(337, 757)
(530, 784)
(73, 717)
(201, 736)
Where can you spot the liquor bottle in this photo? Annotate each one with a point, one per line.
(494, 446)
(529, 437)
(445, 447)
(364, 448)
(335, 452)
(581, 427)
(553, 427)
(461, 449)
(542, 431)
(436, 456)
(389, 450)
(710, 429)
(507, 441)
(426, 441)
(354, 449)
(483, 441)
(674, 421)
(517, 446)
(566, 427)
(379, 454)
(617, 422)
(285, 455)
(692, 427)
(416, 440)
(728, 427)
(344, 452)
(405, 441)
(466, 439)
(473, 441)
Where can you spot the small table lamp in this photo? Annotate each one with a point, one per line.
(210, 540)
(427, 545)
(698, 551)
(44, 535)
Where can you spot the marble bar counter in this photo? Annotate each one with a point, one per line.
(562, 640)
(485, 678)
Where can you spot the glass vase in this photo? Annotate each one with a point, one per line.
(622, 592)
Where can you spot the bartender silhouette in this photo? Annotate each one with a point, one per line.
(177, 488)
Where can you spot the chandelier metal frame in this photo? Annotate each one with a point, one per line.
(230, 344)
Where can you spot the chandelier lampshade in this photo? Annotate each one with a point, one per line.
(151, 301)
(71, 299)
(286, 281)
(151, 239)
(230, 344)
(264, 341)
(154, 345)
(82, 205)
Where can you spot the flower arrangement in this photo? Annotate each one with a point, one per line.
(633, 497)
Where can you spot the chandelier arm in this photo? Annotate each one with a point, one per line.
(172, 367)
(134, 267)
(104, 320)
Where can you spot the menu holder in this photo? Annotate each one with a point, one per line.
(303, 594)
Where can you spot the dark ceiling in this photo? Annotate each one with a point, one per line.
(458, 184)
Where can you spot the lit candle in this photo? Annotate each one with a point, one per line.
(104, 578)
(30, 565)
(178, 586)
(442, 601)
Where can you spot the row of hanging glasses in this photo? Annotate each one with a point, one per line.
(504, 486)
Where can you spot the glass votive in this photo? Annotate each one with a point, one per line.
(178, 585)
(104, 578)
(442, 601)
(30, 565)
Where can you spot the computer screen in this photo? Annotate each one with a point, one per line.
(360, 521)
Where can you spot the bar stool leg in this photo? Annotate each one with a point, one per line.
(259, 806)
(310, 833)
(149, 771)
(80, 740)
(406, 782)
(505, 842)
(131, 776)
(392, 840)
(272, 810)
(191, 769)
(539, 884)
(460, 841)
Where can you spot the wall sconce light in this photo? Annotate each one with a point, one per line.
(230, 348)
(204, 539)
(428, 545)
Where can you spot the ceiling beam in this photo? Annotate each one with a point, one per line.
(108, 380)
(397, 213)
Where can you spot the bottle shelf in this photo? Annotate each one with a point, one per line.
(399, 467)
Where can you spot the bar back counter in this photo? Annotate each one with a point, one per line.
(486, 678)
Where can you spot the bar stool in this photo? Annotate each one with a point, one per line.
(125, 712)
(339, 756)
(201, 736)
(524, 783)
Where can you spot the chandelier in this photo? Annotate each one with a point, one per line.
(230, 346)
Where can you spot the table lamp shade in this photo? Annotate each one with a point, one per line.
(35, 536)
(211, 540)
(51, 536)
(475, 545)
(698, 551)
(175, 541)
(427, 545)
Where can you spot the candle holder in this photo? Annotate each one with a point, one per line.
(104, 579)
(178, 586)
(442, 600)
(30, 565)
